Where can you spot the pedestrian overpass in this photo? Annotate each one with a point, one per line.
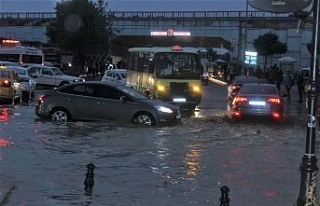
(234, 30)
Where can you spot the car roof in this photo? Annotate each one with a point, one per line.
(260, 84)
(97, 82)
(6, 69)
(6, 63)
(40, 65)
(120, 70)
(16, 67)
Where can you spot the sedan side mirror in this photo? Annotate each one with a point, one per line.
(123, 99)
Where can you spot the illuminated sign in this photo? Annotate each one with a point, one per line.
(250, 57)
(170, 32)
(280, 6)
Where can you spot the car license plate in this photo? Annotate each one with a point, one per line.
(257, 103)
(179, 100)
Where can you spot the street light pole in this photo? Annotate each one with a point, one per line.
(308, 167)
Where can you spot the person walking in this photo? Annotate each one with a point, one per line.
(288, 82)
(279, 79)
(300, 84)
(231, 72)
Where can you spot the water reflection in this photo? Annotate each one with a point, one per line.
(5, 142)
(4, 114)
(192, 162)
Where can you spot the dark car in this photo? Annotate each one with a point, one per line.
(97, 100)
(255, 99)
(236, 84)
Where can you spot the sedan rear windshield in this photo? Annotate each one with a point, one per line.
(243, 80)
(255, 89)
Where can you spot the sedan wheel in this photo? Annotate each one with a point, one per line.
(60, 115)
(144, 119)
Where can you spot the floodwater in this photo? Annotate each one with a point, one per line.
(45, 164)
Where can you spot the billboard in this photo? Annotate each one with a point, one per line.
(280, 6)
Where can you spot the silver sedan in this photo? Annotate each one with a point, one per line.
(97, 100)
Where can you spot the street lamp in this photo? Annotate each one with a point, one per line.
(309, 168)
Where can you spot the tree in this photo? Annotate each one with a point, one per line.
(268, 44)
(81, 27)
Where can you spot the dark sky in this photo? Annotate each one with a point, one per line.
(131, 5)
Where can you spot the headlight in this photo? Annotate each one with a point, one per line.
(164, 109)
(196, 89)
(161, 88)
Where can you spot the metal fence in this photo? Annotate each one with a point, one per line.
(156, 14)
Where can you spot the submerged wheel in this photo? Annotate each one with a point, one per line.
(144, 119)
(60, 115)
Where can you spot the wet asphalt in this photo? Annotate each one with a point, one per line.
(42, 163)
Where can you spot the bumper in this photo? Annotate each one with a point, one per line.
(257, 112)
(165, 118)
(40, 112)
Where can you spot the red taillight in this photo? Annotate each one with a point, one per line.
(276, 115)
(274, 100)
(41, 98)
(236, 113)
(239, 100)
(6, 83)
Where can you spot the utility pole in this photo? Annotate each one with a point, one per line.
(308, 167)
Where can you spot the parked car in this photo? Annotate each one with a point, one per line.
(8, 63)
(10, 87)
(236, 84)
(94, 100)
(255, 99)
(51, 76)
(28, 84)
(115, 75)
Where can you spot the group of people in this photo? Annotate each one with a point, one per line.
(275, 76)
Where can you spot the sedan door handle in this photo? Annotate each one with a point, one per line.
(71, 100)
(100, 103)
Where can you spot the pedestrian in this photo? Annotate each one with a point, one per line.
(300, 84)
(288, 82)
(258, 72)
(231, 72)
(279, 79)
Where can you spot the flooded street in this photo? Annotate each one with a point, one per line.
(42, 163)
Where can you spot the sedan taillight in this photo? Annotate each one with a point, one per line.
(239, 100)
(274, 100)
(6, 83)
(41, 98)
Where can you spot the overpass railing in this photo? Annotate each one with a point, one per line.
(154, 14)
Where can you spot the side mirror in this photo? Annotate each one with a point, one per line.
(281, 6)
(123, 99)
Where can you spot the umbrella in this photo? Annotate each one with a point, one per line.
(219, 61)
(287, 60)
